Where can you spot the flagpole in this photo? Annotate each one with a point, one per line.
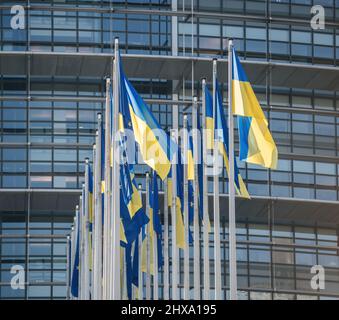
(148, 243)
(140, 273)
(68, 267)
(81, 247)
(186, 213)
(92, 235)
(98, 215)
(107, 207)
(175, 250)
(216, 202)
(205, 200)
(72, 255)
(155, 257)
(166, 260)
(232, 222)
(86, 248)
(83, 232)
(116, 180)
(196, 236)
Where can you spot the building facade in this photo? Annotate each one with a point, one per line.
(55, 56)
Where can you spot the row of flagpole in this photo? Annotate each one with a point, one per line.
(113, 256)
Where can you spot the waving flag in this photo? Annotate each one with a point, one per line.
(256, 143)
(221, 135)
(155, 223)
(156, 149)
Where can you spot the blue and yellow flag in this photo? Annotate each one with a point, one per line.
(132, 213)
(180, 205)
(75, 269)
(155, 146)
(221, 135)
(200, 176)
(155, 223)
(256, 143)
(209, 121)
(90, 204)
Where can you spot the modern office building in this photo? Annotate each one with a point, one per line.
(52, 85)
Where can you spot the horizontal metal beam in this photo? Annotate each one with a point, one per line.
(96, 66)
(179, 13)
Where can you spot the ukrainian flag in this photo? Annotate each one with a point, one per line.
(155, 223)
(200, 172)
(155, 146)
(180, 205)
(209, 120)
(221, 135)
(190, 175)
(90, 211)
(132, 214)
(75, 270)
(256, 143)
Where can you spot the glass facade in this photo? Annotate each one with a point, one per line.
(48, 123)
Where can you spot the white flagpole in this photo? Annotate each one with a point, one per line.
(68, 266)
(98, 216)
(196, 236)
(205, 200)
(186, 213)
(82, 237)
(148, 243)
(175, 250)
(107, 199)
(155, 262)
(140, 273)
(93, 253)
(166, 260)
(217, 261)
(86, 236)
(232, 222)
(80, 222)
(116, 181)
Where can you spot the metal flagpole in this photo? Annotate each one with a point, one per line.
(140, 273)
(196, 236)
(175, 250)
(92, 236)
(86, 235)
(68, 267)
(186, 213)
(71, 260)
(155, 260)
(80, 222)
(217, 261)
(166, 260)
(98, 216)
(205, 200)
(116, 181)
(107, 198)
(232, 223)
(148, 243)
(83, 232)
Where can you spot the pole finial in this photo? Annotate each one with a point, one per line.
(86, 160)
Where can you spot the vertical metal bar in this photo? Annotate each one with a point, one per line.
(86, 235)
(166, 260)
(148, 243)
(205, 200)
(196, 229)
(107, 198)
(186, 212)
(216, 202)
(140, 273)
(175, 250)
(116, 286)
(232, 222)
